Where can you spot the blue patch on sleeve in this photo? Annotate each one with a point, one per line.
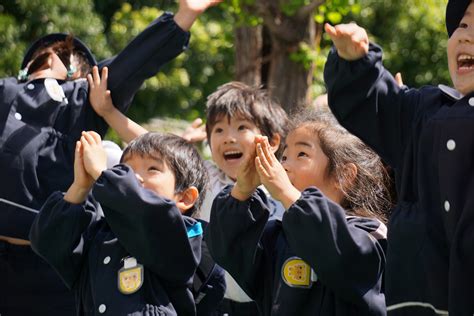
(194, 230)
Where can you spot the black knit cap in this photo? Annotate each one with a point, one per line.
(57, 37)
(454, 14)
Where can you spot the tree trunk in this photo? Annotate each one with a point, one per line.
(248, 55)
(287, 81)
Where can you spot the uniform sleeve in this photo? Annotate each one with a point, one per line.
(234, 235)
(368, 102)
(149, 227)
(61, 233)
(346, 258)
(159, 43)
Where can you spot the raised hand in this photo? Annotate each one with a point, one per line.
(83, 182)
(196, 132)
(95, 156)
(189, 10)
(272, 174)
(350, 40)
(247, 178)
(99, 96)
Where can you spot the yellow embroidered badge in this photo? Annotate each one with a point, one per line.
(130, 277)
(296, 273)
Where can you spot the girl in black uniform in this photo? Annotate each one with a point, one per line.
(326, 256)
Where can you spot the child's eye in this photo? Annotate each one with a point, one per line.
(242, 127)
(462, 25)
(154, 169)
(302, 154)
(218, 130)
(283, 158)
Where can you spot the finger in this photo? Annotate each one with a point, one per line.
(91, 82)
(96, 137)
(197, 123)
(267, 150)
(262, 172)
(330, 30)
(105, 77)
(398, 79)
(84, 144)
(262, 157)
(88, 138)
(77, 152)
(95, 75)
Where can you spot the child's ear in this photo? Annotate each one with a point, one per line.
(186, 199)
(275, 142)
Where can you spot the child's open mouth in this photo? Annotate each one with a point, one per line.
(465, 62)
(233, 155)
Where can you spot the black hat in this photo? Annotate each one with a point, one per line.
(454, 14)
(57, 37)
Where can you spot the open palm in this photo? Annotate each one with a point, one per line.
(198, 6)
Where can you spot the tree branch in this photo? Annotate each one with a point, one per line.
(308, 9)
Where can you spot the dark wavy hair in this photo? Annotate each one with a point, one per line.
(182, 158)
(250, 103)
(365, 195)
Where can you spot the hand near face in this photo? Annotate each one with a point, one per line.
(247, 178)
(350, 40)
(273, 175)
(95, 156)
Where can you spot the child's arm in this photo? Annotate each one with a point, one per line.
(365, 97)
(240, 240)
(149, 227)
(345, 253)
(59, 233)
(160, 42)
(101, 101)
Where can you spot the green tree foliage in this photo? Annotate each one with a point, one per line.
(180, 90)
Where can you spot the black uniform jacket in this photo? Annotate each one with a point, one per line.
(38, 134)
(88, 252)
(427, 136)
(270, 260)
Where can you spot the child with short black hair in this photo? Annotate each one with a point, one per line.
(326, 255)
(426, 136)
(140, 259)
(236, 113)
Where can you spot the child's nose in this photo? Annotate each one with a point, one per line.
(140, 178)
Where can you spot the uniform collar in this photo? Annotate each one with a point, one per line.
(450, 92)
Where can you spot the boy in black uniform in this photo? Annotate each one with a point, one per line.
(426, 135)
(141, 258)
(41, 116)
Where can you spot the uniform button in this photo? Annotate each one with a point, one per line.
(451, 144)
(447, 206)
(30, 86)
(471, 101)
(102, 308)
(106, 260)
(18, 116)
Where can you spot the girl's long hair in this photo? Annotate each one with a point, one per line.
(366, 194)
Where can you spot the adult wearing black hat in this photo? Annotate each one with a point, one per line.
(427, 137)
(42, 115)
